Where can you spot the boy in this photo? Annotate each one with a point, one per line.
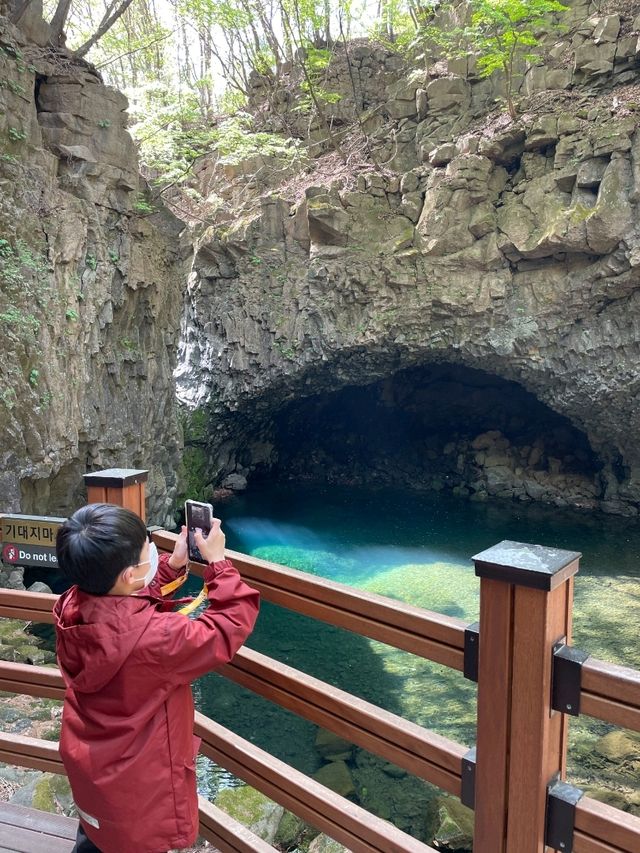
(127, 740)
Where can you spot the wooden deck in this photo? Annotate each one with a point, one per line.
(24, 830)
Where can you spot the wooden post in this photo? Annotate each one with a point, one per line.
(526, 599)
(120, 486)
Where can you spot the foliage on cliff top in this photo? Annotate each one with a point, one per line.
(172, 136)
(500, 34)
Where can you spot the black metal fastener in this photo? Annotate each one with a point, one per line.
(562, 799)
(567, 678)
(468, 787)
(471, 651)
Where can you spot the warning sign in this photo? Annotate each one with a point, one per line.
(29, 540)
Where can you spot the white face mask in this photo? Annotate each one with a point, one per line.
(153, 565)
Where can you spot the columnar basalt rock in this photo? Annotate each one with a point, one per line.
(91, 291)
(507, 246)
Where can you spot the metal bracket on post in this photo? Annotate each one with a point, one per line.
(468, 787)
(562, 799)
(567, 678)
(471, 651)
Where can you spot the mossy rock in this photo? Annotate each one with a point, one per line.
(394, 771)
(293, 833)
(53, 733)
(252, 809)
(49, 793)
(615, 799)
(454, 826)
(619, 746)
(44, 709)
(11, 628)
(336, 776)
(18, 639)
(34, 655)
(324, 844)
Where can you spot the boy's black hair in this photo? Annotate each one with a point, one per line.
(96, 543)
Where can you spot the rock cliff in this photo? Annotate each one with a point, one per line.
(481, 251)
(91, 288)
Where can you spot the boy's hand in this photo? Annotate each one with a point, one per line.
(211, 548)
(178, 559)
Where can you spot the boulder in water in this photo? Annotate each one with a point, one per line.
(252, 809)
(454, 826)
(336, 776)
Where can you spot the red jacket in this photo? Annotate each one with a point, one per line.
(127, 740)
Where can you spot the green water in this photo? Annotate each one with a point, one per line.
(417, 548)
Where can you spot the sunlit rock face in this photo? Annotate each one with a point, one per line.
(91, 292)
(506, 247)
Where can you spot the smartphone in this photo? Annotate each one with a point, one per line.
(197, 515)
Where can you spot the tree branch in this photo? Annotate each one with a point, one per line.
(59, 19)
(18, 10)
(136, 50)
(107, 22)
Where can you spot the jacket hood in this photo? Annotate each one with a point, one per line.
(96, 634)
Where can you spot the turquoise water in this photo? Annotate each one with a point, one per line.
(415, 548)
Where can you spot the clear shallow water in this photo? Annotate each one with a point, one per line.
(415, 548)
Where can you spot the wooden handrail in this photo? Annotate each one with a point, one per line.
(43, 681)
(36, 753)
(414, 748)
(600, 828)
(431, 635)
(418, 750)
(343, 820)
(27, 606)
(228, 835)
(610, 692)
(323, 808)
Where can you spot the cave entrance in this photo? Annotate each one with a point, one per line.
(438, 427)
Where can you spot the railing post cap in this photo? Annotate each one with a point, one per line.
(116, 477)
(524, 564)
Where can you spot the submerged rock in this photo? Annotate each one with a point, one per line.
(332, 747)
(293, 833)
(324, 844)
(620, 746)
(453, 830)
(337, 776)
(253, 809)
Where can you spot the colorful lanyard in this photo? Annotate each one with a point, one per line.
(172, 586)
(197, 601)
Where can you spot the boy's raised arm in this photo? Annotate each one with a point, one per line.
(170, 566)
(191, 647)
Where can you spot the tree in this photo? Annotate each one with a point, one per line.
(501, 33)
(59, 20)
(111, 15)
(113, 11)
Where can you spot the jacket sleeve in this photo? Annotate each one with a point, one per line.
(191, 647)
(165, 574)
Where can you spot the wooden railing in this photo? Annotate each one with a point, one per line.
(529, 681)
